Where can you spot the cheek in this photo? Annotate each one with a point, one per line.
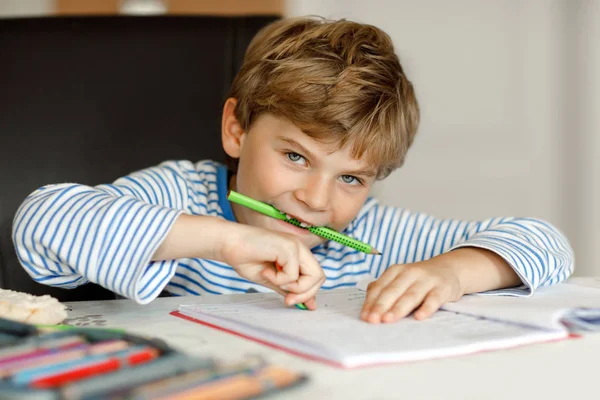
(345, 210)
(261, 175)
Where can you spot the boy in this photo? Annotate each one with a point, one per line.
(317, 113)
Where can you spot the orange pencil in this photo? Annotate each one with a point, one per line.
(241, 386)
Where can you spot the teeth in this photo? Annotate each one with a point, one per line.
(302, 224)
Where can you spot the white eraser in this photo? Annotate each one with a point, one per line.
(24, 307)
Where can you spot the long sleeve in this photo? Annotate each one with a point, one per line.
(537, 251)
(68, 234)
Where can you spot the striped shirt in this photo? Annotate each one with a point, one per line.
(69, 234)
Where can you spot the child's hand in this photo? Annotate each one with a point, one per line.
(255, 252)
(423, 286)
(427, 285)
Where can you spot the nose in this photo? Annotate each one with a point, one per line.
(315, 193)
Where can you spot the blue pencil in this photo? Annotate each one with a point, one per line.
(27, 376)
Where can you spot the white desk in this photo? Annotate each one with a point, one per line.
(563, 370)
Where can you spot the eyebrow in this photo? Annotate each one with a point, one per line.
(297, 145)
(369, 172)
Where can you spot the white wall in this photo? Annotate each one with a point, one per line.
(497, 82)
(582, 132)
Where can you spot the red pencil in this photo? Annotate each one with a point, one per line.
(100, 367)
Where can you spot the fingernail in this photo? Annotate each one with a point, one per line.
(374, 317)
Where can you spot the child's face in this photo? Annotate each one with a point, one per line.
(314, 182)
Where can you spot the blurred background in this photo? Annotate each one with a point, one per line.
(509, 93)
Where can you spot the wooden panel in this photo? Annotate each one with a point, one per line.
(226, 7)
(198, 7)
(66, 7)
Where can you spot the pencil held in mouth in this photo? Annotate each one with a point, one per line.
(321, 231)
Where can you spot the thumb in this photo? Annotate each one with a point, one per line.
(265, 273)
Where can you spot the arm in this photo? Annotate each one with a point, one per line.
(432, 261)
(479, 270)
(251, 251)
(536, 251)
(128, 236)
(68, 234)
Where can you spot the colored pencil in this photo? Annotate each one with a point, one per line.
(62, 356)
(38, 348)
(50, 375)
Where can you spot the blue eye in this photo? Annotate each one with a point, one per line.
(351, 180)
(294, 157)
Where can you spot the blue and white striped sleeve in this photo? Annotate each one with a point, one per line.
(68, 234)
(538, 252)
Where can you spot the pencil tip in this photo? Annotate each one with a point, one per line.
(375, 251)
(228, 193)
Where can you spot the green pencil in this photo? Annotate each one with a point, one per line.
(321, 231)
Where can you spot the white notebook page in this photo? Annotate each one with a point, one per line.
(544, 309)
(334, 331)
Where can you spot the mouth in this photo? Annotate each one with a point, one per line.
(303, 223)
(299, 228)
(292, 228)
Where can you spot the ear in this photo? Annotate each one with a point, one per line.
(232, 134)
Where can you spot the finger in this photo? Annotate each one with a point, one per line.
(311, 274)
(304, 283)
(380, 298)
(376, 287)
(266, 282)
(271, 275)
(311, 303)
(295, 298)
(407, 303)
(373, 291)
(275, 288)
(431, 304)
(268, 273)
(309, 266)
(282, 274)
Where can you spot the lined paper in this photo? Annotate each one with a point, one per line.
(336, 333)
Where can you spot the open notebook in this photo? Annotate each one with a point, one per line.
(335, 334)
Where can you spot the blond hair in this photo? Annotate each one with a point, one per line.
(338, 81)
